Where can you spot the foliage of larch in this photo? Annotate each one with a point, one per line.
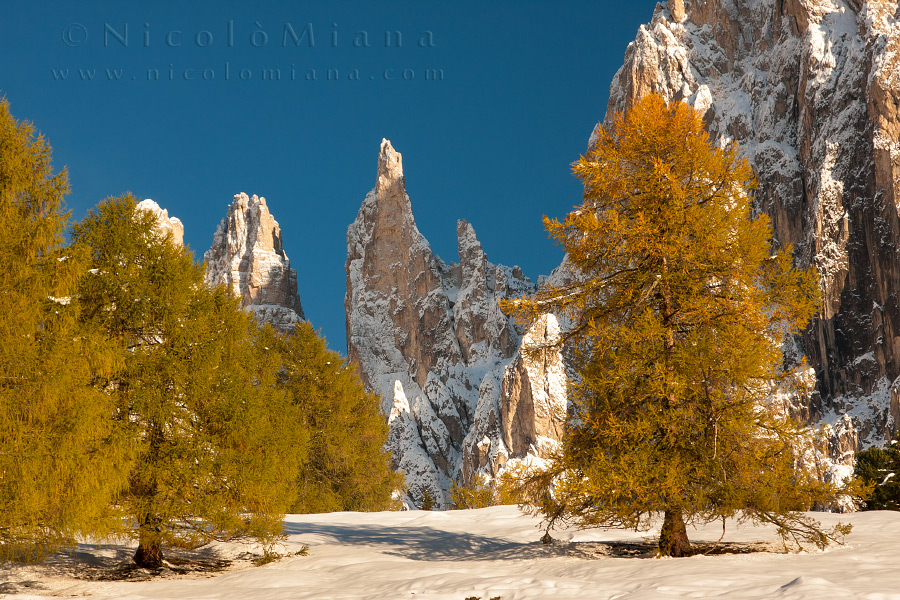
(676, 320)
(62, 459)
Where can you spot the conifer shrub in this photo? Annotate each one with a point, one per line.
(427, 502)
(482, 491)
(477, 494)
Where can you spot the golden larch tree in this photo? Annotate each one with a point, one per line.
(675, 323)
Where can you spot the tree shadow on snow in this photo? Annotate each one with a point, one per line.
(112, 562)
(430, 544)
(416, 543)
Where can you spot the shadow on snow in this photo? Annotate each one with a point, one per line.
(430, 544)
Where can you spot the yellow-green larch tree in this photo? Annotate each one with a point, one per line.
(216, 440)
(62, 457)
(346, 466)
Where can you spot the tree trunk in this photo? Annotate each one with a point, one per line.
(149, 554)
(673, 539)
(668, 312)
(143, 485)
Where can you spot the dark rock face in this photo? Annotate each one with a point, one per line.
(247, 255)
(810, 90)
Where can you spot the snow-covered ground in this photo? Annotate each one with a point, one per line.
(495, 552)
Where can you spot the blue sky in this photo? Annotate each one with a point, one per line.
(523, 84)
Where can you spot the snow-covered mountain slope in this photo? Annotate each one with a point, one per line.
(810, 90)
(489, 553)
(247, 255)
(430, 339)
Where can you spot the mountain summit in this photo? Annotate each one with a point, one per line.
(247, 256)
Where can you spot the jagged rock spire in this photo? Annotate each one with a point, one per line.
(247, 255)
(390, 169)
(429, 337)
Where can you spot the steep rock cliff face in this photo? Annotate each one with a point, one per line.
(247, 256)
(810, 90)
(533, 396)
(430, 339)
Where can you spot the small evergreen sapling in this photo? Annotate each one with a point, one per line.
(477, 494)
(880, 468)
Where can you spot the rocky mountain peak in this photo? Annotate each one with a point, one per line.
(479, 286)
(247, 255)
(164, 223)
(429, 337)
(385, 249)
(390, 169)
(471, 256)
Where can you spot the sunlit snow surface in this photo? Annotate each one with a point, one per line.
(494, 552)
